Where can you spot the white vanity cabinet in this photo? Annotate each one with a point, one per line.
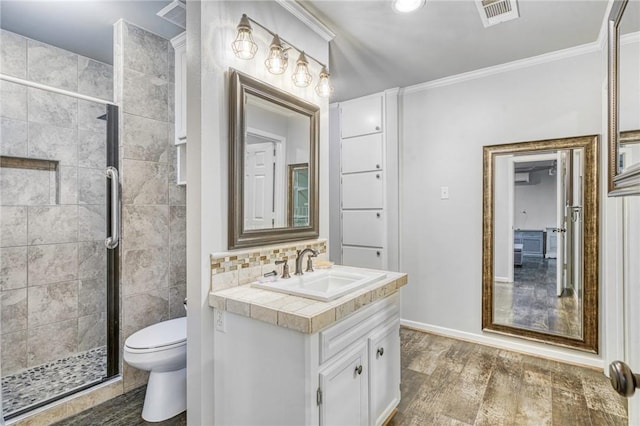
(180, 107)
(361, 116)
(346, 374)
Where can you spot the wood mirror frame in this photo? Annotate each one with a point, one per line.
(626, 182)
(589, 340)
(242, 85)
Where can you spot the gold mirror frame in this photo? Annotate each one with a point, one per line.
(589, 340)
(242, 85)
(628, 181)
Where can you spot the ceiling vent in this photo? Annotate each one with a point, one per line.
(176, 13)
(493, 12)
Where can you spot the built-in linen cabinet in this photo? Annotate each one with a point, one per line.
(368, 165)
(180, 48)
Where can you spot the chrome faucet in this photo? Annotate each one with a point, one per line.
(300, 257)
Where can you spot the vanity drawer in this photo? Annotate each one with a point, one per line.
(363, 191)
(361, 116)
(362, 153)
(363, 228)
(363, 257)
(357, 326)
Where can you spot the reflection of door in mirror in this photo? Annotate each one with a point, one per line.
(538, 228)
(299, 194)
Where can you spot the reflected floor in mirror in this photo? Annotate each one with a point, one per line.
(451, 382)
(531, 302)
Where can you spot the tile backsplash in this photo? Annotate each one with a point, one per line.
(239, 267)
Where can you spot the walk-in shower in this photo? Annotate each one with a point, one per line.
(59, 229)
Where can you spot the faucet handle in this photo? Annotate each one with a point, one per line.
(285, 268)
(310, 262)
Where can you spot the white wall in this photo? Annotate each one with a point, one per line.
(538, 200)
(441, 241)
(211, 29)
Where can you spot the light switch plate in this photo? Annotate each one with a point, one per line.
(444, 192)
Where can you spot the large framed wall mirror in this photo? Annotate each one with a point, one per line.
(273, 165)
(624, 98)
(540, 241)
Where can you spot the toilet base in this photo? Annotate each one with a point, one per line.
(166, 395)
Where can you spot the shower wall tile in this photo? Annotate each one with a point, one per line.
(92, 221)
(52, 303)
(13, 137)
(13, 54)
(65, 188)
(52, 263)
(42, 348)
(92, 260)
(88, 113)
(53, 143)
(92, 149)
(13, 101)
(145, 95)
(95, 78)
(14, 310)
(178, 225)
(92, 297)
(172, 103)
(52, 66)
(145, 226)
(13, 268)
(144, 182)
(91, 186)
(145, 51)
(52, 108)
(144, 270)
(24, 187)
(176, 299)
(177, 193)
(92, 331)
(13, 226)
(171, 59)
(144, 310)
(144, 139)
(14, 352)
(178, 266)
(52, 224)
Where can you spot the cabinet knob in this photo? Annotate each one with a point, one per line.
(623, 380)
(377, 127)
(378, 253)
(377, 214)
(377, 166)
(377, 175)
(380, 352)
(358, 370)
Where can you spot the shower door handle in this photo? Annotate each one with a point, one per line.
(112, 241)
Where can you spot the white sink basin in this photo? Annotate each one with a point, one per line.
(324, 285)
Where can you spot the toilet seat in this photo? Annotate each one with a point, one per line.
(159, 337)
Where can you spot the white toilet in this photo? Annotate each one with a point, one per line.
(161, 349)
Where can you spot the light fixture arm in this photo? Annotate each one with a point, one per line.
(289, 45)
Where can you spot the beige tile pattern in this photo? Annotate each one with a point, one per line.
(299, 313)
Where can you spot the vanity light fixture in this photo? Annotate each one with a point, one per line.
(277, 59)
(407, 6)
(243, 46)
(301, 76)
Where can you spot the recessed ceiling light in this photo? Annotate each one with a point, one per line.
(406, 6)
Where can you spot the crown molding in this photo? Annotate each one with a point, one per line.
(509, 66)
(317, 26)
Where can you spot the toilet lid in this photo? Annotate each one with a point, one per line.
(164, 333)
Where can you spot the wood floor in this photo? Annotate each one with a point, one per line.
(450, 382)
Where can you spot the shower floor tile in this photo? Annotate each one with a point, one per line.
(38, 384)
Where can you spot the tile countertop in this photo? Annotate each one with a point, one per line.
(300, 313)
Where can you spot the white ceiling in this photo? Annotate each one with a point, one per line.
(376, 48)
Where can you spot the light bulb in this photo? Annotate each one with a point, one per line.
(243, 46)
(406, 6)
(324, 88)
(277, 60)
(301, 76)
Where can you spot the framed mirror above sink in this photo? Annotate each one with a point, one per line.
(540, 241)
(273, 165)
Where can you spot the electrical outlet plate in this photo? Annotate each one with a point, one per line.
(221, 321)
(444, 192)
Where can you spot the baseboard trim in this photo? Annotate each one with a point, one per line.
(502, 280)
(513, 344)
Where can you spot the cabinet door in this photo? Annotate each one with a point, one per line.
(361, 116)
(363, 257)
(384, 372)
(363, 228)
(344, 387)
(362, 191)
(362, 153)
